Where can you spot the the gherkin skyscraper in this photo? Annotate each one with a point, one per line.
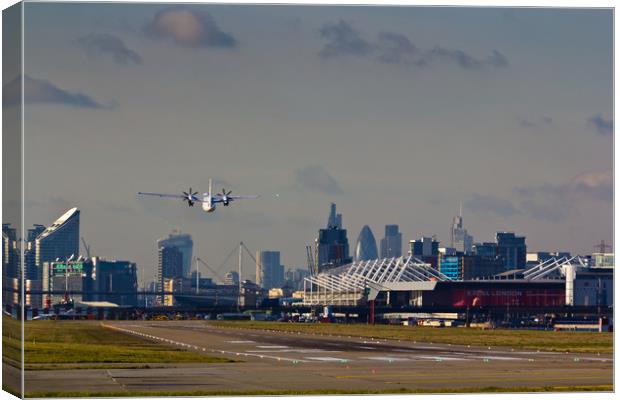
(366, 247)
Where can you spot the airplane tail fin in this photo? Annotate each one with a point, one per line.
(210, 187)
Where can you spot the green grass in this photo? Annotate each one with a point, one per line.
(49, 343)
(65, 366)
(586, 342)
(486, 389)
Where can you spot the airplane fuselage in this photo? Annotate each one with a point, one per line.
(207, 204)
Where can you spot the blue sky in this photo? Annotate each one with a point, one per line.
(397, 114)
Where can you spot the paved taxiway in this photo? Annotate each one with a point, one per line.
(273, 360)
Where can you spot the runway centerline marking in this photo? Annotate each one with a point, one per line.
(388, 359)
(327, 359)
(293, 351)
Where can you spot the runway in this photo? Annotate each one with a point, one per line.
(271, 360)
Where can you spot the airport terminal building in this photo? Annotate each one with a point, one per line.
(409, 282)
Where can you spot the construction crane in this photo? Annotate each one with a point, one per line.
(86, 247)
(214, 272)
(601, 247)
(310, 260)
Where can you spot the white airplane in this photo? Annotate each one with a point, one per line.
(208, 200)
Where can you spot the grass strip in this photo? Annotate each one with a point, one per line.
(562, 341)
(69, 342)
(485, 389)
(56, 367)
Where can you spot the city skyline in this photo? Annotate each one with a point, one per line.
(397, 114)
(177, 238)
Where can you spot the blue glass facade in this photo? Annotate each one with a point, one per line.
(450, 267)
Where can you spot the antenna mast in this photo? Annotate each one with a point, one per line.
(601, 247)
(240, 264)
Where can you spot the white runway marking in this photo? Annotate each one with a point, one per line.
(272, 347)
(436, 358)
(366, 347)
(293, 351)
(388, 359)
(499, 358)
(316, 351)
(326, 359)
(240, 341)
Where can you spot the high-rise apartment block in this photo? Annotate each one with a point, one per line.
(184, 244)
(61, 240)
(269, 271)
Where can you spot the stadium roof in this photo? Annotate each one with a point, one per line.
(377, 275)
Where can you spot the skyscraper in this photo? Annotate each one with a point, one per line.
(294, 278)
(183, 242)
(10, 266)
(424, 247)
(459, 239)
(332, 245)
(10, 252)
(269, 271)
(60, 240)
(169, 266)
(391, 244)
(486, 249)
(366, 246)
(32, 271)
(511, 249)
(334, 220)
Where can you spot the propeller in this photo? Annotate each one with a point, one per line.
(225, 195)
(189, 197)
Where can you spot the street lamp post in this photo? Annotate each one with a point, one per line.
(67, 260)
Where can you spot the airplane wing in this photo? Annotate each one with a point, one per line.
(252, 196)
(172, 196)
(218, 198)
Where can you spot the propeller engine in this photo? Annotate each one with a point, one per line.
(189, 197)
(225, 199)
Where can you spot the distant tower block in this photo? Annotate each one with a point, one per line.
(332, 245)
(601, 247)
(459, 238)
(392, 243)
